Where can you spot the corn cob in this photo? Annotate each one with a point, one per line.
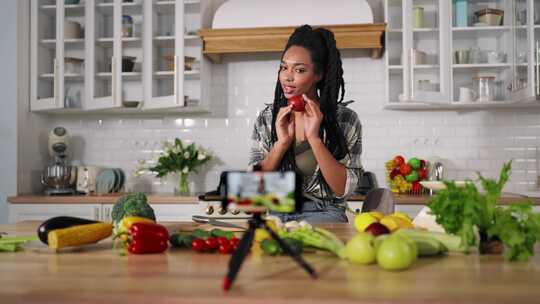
(79, 235)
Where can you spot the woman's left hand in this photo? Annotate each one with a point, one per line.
(312, 118)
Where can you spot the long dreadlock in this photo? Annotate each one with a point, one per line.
(326, 58)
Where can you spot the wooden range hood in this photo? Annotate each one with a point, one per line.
(218, 42)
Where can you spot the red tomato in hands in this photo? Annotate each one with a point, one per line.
(297, 103)
(405, 169)
(399, 160)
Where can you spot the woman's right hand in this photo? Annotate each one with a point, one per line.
(285, 126)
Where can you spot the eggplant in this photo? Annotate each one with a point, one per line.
(60, 222)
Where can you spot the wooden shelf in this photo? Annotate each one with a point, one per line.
(218, 42)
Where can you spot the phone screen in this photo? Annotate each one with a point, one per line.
(258, 190)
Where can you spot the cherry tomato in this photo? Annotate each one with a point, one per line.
(234, 241)
(399, 160)
(211, 243)
(198, 245)
(234, 247)
(222, 240)
(405, 169)
(225, 248)
(297, 103)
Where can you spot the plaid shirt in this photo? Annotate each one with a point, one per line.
(352, 129)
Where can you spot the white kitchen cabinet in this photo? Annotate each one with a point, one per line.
(163, 212)
(421, 41)
(99, 212)
(42, 212)
(130, 56)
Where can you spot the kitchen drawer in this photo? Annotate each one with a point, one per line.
(41, 212)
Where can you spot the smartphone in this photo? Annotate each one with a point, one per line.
(259, 191)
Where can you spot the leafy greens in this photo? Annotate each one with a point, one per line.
(463, 210)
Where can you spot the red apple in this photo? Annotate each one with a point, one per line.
(377, 229)
(395, 172)
(297, 103)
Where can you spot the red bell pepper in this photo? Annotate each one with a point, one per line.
(147, 238)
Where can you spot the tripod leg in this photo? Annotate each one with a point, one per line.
(294, 255)
(239, 256)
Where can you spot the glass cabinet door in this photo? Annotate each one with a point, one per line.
(44, 65)
(395, 60)
(534, 17)
(426, 49)
(72, 54)
(102, 72)
(521, 24)
(164, 46)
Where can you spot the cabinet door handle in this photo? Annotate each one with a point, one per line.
(113, 79)
(411, 71)
(55, 81)
(96, 213)
(537, 67)
(107, 214)
(175, 84)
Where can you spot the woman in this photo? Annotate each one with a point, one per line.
(323, 143)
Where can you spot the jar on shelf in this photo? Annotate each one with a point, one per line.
(127, 26)
(484, 87)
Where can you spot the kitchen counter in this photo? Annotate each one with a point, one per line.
(172, 199)
(96, 274)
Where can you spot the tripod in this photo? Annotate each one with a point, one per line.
(240, 254)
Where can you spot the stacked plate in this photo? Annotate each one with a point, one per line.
(110, 180)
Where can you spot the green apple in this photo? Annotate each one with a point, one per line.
(360, 249)
(396, 253)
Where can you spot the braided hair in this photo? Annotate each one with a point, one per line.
(326, 58)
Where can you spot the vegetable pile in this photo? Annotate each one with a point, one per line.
(464, 210)
(200, 241)
(133, 204)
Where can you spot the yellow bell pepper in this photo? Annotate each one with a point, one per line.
(127, 221)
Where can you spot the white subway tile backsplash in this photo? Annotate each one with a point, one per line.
(465, 141)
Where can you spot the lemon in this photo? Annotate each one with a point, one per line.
(261, 234)
(363, 220)
(377, 214)
(394, 223)
(402, 215)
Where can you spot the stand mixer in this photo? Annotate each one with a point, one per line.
(59, 177)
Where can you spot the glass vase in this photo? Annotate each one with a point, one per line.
(183, 186)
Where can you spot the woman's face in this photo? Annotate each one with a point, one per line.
(297, 73)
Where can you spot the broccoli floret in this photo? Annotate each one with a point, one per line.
(132, 204)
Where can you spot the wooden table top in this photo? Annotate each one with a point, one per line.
(400, 199)
(96, 274)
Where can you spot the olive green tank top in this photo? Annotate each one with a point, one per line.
(306, 164)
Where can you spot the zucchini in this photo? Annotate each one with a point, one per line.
(79, 235)
(60, 222)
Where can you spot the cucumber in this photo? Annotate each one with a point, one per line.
(449, 241)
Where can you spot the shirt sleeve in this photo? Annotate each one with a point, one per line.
(260, 140)
(352, 161)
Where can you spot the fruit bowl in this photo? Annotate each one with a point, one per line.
(404, 177)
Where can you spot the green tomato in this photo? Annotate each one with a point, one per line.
(412, 177)
(360, 249)
(395, 253)
(414, 163)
